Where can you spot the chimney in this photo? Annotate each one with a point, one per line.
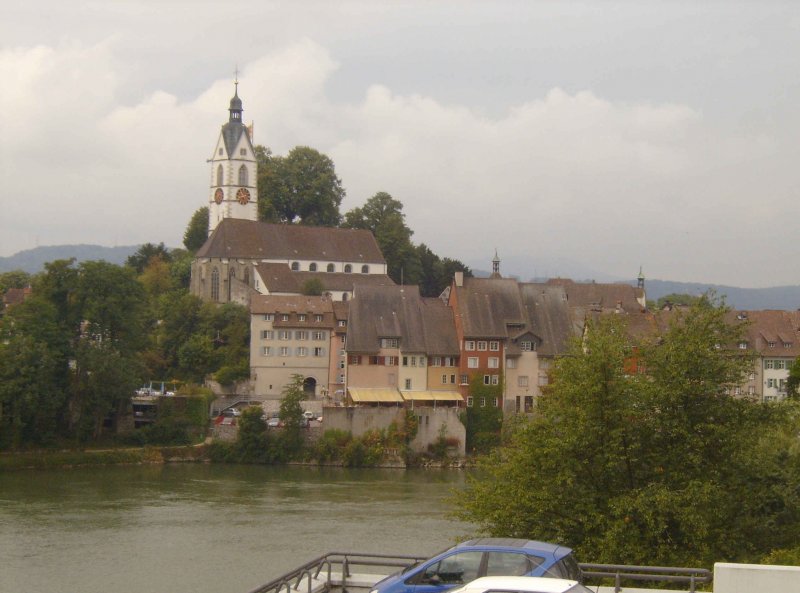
(459, 279)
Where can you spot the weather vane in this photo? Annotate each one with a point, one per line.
(236, 77)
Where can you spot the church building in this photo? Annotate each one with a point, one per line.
(244, 257)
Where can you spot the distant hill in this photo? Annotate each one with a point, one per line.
(33, 260)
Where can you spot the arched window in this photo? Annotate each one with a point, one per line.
(348, 269)
(219, 175)
(312, 267)
(331, 268)
(231, 276)
(295, 266)
(247, 276)
(365, 269)
(243, 175)
(215, 284)
(344, 297)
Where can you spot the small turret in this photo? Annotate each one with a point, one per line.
(496, 265)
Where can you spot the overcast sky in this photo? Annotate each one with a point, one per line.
(578, 139)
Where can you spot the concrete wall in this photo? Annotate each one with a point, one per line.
(755, 578)
(359, 420)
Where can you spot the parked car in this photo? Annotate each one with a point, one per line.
(309, 415)
(522, 585)
(479, 558)
(231, 412)
(274, 422)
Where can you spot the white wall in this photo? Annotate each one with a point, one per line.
(755, 578)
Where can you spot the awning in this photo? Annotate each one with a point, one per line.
(436, 396)
(366, 395)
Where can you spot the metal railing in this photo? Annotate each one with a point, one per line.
(309, 573)
(690, 577)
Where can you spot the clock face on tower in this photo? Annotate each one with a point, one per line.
(218, 195)
(243, 196)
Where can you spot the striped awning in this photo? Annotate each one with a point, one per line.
(436, 396)
(373, 395)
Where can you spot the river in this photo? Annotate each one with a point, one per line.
(208, 528)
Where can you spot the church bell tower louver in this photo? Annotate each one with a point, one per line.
(233, 191)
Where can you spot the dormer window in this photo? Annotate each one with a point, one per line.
(787, 344)
(770, 344)
(301, 317)
(743, 345)
(348, 269)
(295, 266)
(312, 267)
(331, 268)
(365, 269)
(527, 346)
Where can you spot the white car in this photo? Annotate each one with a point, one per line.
(521, 585)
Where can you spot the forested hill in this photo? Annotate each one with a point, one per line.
(33, 260)
(776, 297)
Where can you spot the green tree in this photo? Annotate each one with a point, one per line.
(14, 279)
(383, 216)
(252, 440)
(484, 418)
(197, 230)
(312, 287)
(663, 468)
(437, 273)
(793, 383)
(301, 187)
(291, 414)
(139, 260)
(684, 300)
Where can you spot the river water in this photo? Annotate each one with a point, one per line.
(208, 528)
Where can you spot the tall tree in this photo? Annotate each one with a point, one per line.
(14, 279)
(663, 468)
(139, 260)
(437, 273)
(197, 230)
(301, 187)
(383, 216)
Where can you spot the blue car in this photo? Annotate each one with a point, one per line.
(480, 558)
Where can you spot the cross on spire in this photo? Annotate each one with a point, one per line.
(236, 79)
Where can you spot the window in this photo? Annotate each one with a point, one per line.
(389, 342)
(268, 317)
(284, 317)
(787, 344)
(266, 351)
(464, 379)
(391, 361)
(330, 268)
(422, 361)
(365, 269)
(318, 336)
(772, 383)
(285, 351)
(354, 359)
(215, 284)
(526, 346)
(243, 175)
(341, 364)
(752, 376)
(455, 569)
(511, 363)
(341, 378)
(301, 317)
(267, 334)
(408, 383)
(522, 381)
(737, 391)
(319, 351)
(486, 380)
(295, 266)
(348, 269)
(405, 361)
(219, 172)
(751, 390)
(469, 345)
(494, 362)
(497, 402)
(769, 363)
(318, 318)
(444, 379)
(483, 402)
(469, 401)
(543, 380)
(482, 345)
(742, 345)
(284, 334)
(472, 362)
(495, 379)
(312, 267)
(341, 323)
(510, 563)
(413, 361)
(242, 152)
(301, 351)
(436, 361)
(374, 360)
(452, 379)
(451, 361)
(494, 346)
(301, 335)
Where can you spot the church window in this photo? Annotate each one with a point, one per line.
(219, 172)
(344, 297)
(215, 284)
(247, 276)
(243, 151)
(243, 175)
(365, 269)
(348, 269)
(295, 266)
(312, 267)
(331, 268)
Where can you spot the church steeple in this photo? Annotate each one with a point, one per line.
(233, 192)
(496, 265)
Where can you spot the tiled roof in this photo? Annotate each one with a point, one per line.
(422, 324)
(487, 305)
(596, 295)
(549, 317)
(280, 278)
(249, 239)
(310, 305)
(771, 326)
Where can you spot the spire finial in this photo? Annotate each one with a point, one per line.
(236, 80)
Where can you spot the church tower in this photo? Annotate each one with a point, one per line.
(233, 192)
